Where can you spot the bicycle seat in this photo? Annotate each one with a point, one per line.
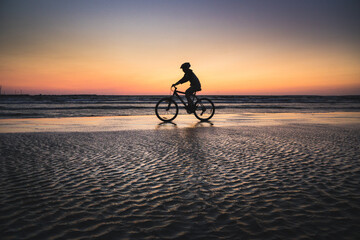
(196, 92)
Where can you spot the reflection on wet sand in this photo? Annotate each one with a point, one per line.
(172, 125)
(203, 124)
(96, 124)
(166, 125)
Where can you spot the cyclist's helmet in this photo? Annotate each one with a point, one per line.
(185, 65)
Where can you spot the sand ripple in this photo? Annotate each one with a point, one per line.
(214, 183)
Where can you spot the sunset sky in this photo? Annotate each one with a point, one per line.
(271, 47)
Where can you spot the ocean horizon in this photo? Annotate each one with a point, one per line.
(87, 105)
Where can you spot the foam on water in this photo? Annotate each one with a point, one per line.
(55, 106)
(283, 182)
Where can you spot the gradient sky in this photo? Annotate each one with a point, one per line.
(136, 47)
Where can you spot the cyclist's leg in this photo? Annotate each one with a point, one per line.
(188, 93)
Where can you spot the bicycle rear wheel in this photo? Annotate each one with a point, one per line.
(166, 109)
(204, 109)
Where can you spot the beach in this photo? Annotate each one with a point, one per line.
(261, 176)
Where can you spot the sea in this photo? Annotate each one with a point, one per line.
(58, 106)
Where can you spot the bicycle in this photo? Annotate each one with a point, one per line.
(167, 109)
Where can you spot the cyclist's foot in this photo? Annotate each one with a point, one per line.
(190, 109)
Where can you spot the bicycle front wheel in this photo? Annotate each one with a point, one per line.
(204, 109)
(166, 109)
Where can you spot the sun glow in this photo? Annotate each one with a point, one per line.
(127, 49)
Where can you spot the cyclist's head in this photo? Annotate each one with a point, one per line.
(185, 66)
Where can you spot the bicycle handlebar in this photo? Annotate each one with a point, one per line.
(171, 89)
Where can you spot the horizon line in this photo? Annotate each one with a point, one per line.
(94, 94)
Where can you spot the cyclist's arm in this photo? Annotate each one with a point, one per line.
(181, 81)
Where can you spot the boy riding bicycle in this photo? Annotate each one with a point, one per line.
(194, 84)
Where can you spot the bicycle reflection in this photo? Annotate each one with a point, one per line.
(203, 124)
(166, 125)
(171, 125)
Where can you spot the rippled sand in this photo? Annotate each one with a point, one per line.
(263, 182)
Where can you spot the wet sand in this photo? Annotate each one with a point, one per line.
(119, 123)
(289, 180)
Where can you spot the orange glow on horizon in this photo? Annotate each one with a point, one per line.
(274, 74)
(111, 53)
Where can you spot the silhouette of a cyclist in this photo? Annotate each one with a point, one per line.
(195, 85)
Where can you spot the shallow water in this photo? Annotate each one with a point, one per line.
(58, 106)
(288, 182)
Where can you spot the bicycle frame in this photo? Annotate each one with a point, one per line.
(176, 93)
